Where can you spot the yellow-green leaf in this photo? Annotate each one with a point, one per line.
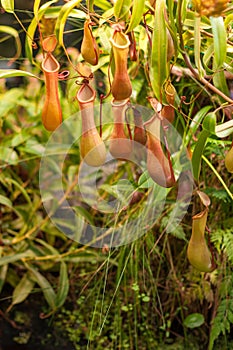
(61, 21)
(220, 82)
(32, 29)
(220, 40)
(225, 129)
(159, 68)
(90, 5)
(209, 125)
(63, 286)
(197, 154)
(8, 73)
(22, 290)
(197, 46)
(36, 7)
(45, 286)
(8, 5)
(5, 201)
(121, 8)
(9, 259)
(196, 123)
(137, 14)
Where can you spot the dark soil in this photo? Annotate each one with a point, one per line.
(23, 329)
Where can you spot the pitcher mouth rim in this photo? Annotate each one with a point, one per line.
(49, 55)
(91, 99)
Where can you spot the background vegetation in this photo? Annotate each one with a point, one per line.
(144, 295)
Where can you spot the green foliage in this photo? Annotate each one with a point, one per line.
(137, 296)
(223, 319)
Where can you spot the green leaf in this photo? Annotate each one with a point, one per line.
(159, 68)
(137, 14)
(224, 129)
(63, 286)
(8, 73)
(10, 97)
(220, 40)
(207, 58)
(121, 8)
(36, 7)
(228, 20)
(220, 82)
(197, 154)
(5, 201)
(196, 123)
(50, 249)
(197, 46)
(32, 29)
(8, 155)
(8, 5)
(194, 320)
(20, 188)
(90, 5)
(145, 181)
(46, 287)
(9, 259)
(22, 290)
(13, 32)
(20, 137)
(61, 21)
(209, 123)
(104, 5)
(85, 214)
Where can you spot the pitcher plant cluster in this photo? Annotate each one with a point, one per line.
(162, 22)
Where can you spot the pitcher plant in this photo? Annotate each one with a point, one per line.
(158, 165)
(121, 85)
(92, 147)
(51, 113)
(198, 252)
(89, 47)
(120, 145)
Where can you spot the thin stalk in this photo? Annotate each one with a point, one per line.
(117, 287)
(218, 176)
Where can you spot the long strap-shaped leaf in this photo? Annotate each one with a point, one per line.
(61, 21)
(8, 73)
(220, 40)
(209, 125)
(137, 12)
(159, 70)
(197, 46)
(32, 28)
